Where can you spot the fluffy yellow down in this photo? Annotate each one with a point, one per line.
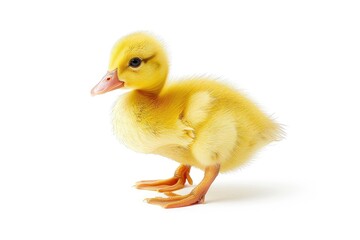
(198, 121)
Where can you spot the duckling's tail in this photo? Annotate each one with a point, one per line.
(275, 132)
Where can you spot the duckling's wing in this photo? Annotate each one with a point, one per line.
(197, 108)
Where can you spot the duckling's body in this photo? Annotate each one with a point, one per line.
(197, 122)
(214, 125)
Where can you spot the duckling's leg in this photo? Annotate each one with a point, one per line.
(177, 182)
(197, 195)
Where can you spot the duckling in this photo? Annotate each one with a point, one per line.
(197, 122)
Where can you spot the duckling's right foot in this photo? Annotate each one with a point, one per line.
(177, 182)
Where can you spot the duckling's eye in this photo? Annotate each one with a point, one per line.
(135, 62)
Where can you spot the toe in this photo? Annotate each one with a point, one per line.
(175, 201)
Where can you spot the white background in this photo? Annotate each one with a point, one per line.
(63, 175)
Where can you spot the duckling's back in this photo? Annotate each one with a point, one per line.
(235, 121)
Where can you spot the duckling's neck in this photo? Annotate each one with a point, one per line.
(153, 91)
(148, 94)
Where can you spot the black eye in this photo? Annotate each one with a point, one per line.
(135, 62)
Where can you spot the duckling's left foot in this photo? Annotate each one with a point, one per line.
(177, 182)
(197, 195)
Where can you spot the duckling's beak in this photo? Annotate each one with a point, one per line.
(108, 83)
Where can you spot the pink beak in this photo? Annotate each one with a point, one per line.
(108, 83)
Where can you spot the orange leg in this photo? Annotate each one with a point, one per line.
(197, 195)
(177, 182)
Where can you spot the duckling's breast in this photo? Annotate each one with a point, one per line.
(139, 125)
(131, 128)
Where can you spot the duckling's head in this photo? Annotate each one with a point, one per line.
(138, 61)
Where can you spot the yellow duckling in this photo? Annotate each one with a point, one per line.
(196, 122)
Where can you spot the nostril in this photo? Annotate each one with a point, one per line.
(108, 79)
